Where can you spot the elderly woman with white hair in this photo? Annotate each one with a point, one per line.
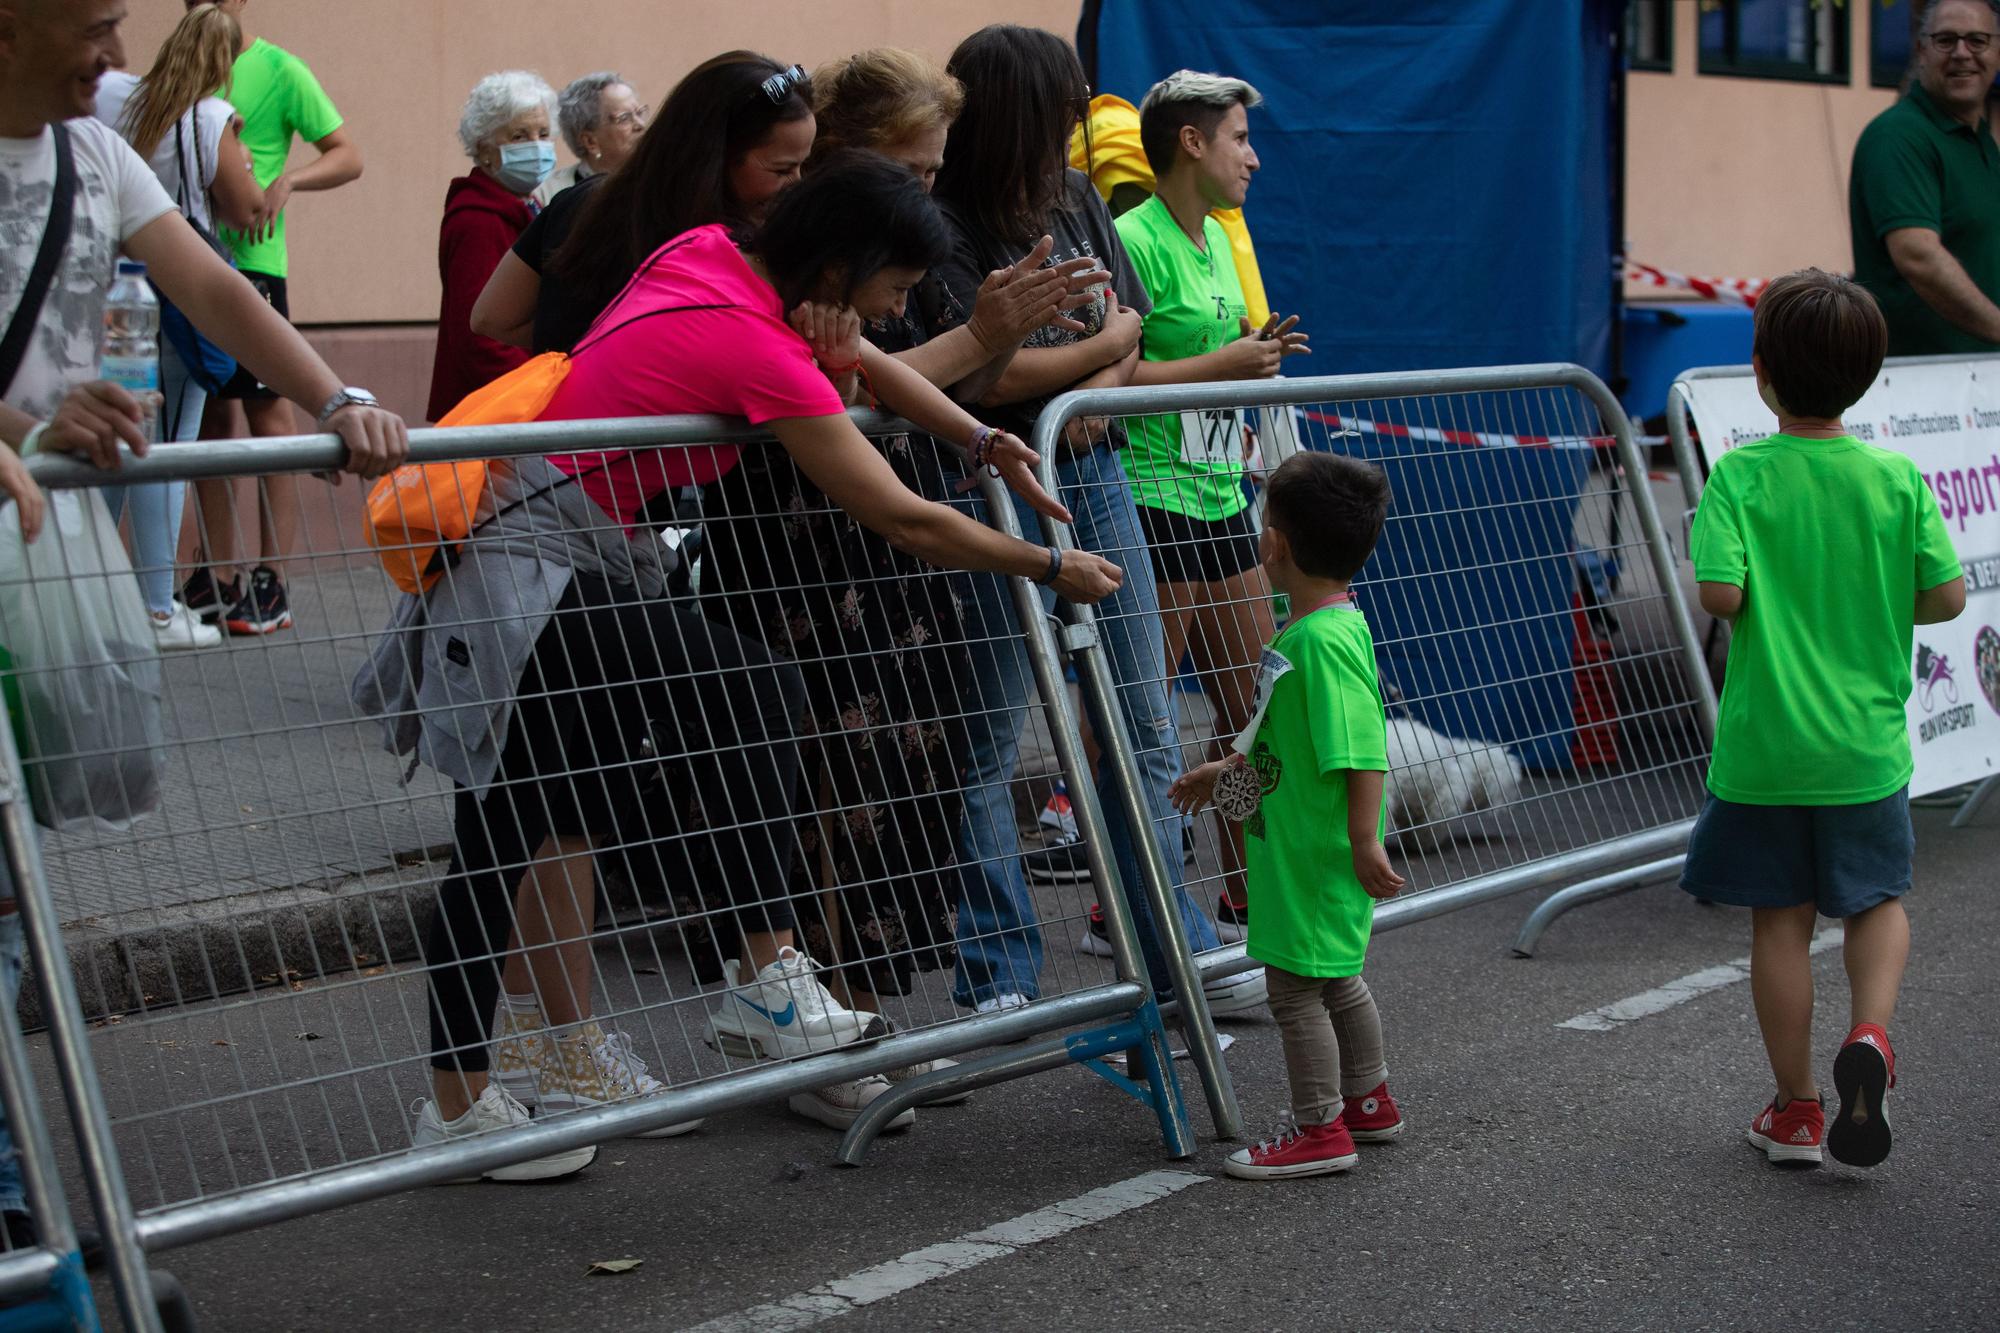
(506, 129)
(601, 120)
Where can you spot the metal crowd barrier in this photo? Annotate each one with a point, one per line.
(1550, 713)
(246, 1031)
(1692, 466)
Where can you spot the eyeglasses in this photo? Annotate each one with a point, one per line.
(779, 86)
(632, 120)
(1945, 42)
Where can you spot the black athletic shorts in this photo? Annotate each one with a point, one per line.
(244, 386)
(1193, 550)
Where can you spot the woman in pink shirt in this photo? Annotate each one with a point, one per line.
(702, 328)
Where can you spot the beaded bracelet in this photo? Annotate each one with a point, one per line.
(982, 448)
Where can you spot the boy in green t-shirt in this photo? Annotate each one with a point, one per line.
(1312, 760)
(1825, 553)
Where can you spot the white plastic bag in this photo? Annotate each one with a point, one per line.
(81, 668)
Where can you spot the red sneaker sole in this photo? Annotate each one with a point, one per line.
(1380, 1134)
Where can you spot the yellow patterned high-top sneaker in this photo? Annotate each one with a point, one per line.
(589, 1067)
(517, 1049)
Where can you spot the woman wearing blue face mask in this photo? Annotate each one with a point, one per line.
(507, 130)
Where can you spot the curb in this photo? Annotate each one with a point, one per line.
(168, 957)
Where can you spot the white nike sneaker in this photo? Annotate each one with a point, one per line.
(786, 1013)
(838, 1106)
(494, 1110)
(1237, 994)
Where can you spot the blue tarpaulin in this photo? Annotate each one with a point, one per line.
(1437, 174)
(1436, 190)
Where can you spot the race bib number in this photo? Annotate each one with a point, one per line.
(1271, 667)
(1213, 438)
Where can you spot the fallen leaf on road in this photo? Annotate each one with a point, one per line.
(612, 1266)
(218, 1042)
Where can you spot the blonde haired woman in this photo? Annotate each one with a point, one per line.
(189, 138)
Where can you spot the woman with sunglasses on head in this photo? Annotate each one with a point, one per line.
(730, 136)
(876, 631)
(1005, 180)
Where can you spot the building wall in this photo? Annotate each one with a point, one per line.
(1739, 177)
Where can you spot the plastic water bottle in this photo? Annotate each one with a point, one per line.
(129, 356)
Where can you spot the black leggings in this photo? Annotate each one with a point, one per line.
(610, 674)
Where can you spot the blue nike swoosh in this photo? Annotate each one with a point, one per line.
(783, 1018)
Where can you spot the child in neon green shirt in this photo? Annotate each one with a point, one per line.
(1825, 553)
(1314, 754)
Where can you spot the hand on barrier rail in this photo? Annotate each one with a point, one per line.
(1086, 578)
(1259, 353)
(377, 440)
(1015, 301)
(1014, 463)
(26, 495)
(1194, 791)
(93, 420)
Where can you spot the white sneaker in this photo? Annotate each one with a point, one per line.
(841, 1104)
(784, 1013)
(922, 1067)
(1235, 995)
(179, 631)
(1001, 1003)
(494, 1110)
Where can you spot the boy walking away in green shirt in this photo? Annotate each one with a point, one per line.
(1311, 763)
(1825, 553)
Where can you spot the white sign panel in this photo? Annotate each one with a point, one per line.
(1946, 417)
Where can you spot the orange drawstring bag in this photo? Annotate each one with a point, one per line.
(422, 512)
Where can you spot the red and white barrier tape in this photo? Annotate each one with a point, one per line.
(1739, 291)
(1438, 435)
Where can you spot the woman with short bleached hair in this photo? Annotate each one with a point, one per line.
(507, 128)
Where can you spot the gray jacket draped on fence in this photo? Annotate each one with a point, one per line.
(445, 672)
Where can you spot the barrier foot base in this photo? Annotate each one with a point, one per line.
(1969, 810)
(1160, 1091)
(1590, 890)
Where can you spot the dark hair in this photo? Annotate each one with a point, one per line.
(1330, 508)
(678, 176)
(1821, 338)
(859, 211)
(1005, 158)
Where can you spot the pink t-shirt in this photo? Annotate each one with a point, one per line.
(733, 355)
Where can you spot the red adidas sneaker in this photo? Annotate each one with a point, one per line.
(1298, 1150)
(1372, 1117)
(1863, 1073)
(1790, 1136)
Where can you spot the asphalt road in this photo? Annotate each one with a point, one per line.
(1551, 1177)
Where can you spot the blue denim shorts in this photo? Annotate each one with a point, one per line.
(1843, 859)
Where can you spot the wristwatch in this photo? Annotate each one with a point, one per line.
(348, 397)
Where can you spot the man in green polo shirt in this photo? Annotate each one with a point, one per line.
(280, 102)
(1924, 198)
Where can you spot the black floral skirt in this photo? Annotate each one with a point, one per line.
(880, 638)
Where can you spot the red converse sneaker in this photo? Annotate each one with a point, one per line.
(1790, 1136)
(1372, 1117)
(1298, 1150)
(1863, 1073)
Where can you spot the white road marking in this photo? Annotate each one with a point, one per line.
(1678, 991)
(846, 1295)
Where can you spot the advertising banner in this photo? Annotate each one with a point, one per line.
(1945, 415)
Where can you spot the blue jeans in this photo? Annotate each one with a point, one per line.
(999, 943)
(157, 506)
(13, 1195)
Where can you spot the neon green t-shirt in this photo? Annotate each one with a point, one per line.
(278, 98)
(1189, 463)
(1830, 541)
(1308, 912)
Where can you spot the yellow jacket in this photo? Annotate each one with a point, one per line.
(1115, 158)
